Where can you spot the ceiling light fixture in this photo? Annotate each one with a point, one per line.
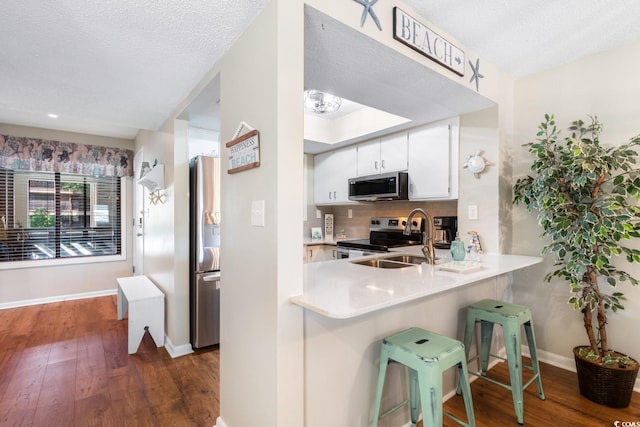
(321, 102)
(52, 116)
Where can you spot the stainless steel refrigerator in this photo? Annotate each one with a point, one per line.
(204, 253)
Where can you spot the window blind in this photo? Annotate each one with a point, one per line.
(55, 215)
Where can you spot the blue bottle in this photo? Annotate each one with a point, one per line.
(457, 249)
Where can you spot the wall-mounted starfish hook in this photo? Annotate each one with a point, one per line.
(368, 10)
(476, 73)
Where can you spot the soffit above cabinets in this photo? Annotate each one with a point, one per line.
(346, 63)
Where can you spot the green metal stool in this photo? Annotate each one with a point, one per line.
(427, 355)
(511, 317)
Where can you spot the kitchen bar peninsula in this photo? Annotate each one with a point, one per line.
(350, 308)
(343, 289)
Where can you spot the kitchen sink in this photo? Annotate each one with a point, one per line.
(392, 261)
(382, 263)
(407, 259)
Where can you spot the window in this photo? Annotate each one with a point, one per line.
(56, 215)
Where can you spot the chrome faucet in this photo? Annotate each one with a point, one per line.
(427, 235)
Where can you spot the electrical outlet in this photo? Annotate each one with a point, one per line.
(349, 213)
(318, 214)
(473, 212)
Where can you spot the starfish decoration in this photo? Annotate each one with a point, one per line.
(368, 10)
(156, 196)
(476, 73)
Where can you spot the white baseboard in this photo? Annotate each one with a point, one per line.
(552, 359)
(220, 423)
(176, 351)
(59, 298)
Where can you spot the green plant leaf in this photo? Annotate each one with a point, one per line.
(585, 218)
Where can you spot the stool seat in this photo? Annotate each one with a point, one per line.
(426, 355)
(512, 318)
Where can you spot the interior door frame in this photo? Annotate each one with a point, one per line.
(138, 216)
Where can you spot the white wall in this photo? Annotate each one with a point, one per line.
(178, 326)
(261, 332)
(166, 229)
(606, 85)
(42, 284)
(479, 133)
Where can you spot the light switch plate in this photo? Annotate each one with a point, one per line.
(473, 211)
(257, 213)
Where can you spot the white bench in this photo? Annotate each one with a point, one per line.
(145, 303)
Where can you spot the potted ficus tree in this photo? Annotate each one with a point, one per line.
(586, 196)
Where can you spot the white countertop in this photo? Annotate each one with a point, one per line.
(342, 290)
(309, 241)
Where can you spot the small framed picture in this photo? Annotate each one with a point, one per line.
(316, 233)
(244, 152)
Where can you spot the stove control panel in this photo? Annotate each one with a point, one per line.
(394, 224)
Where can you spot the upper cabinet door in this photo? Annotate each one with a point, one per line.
(331, 173)
(393, 152)
(322, 185)
(430, 157)
(386, 154)
(345, 163)
(369, 157)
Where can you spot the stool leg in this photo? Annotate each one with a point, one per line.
(531, 341)
(135, 332)
(431, 397)
(463, 385)
(414, 396)
(382, 372)
(514, 360)
(469, 330)
(486, 335)
(468, 333)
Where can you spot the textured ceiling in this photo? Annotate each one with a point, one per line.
(111, 68)
(527, 36)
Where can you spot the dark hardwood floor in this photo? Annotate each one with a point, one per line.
(563, 406)
(66, 364)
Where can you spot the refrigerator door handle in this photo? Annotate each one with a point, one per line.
(211, 277)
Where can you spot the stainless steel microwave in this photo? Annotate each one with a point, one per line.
(385, 186)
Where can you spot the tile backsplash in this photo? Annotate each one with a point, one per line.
(358, 225)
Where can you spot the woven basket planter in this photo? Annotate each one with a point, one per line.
(606, 385)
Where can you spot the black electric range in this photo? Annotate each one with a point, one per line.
(384, 233)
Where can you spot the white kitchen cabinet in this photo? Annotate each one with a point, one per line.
(317, 253)
(433, 161)
(386, 154)
(331, 173)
